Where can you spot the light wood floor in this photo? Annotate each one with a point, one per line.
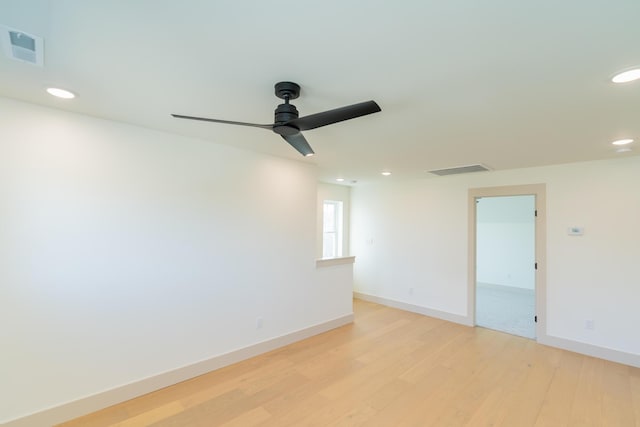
(394, 368)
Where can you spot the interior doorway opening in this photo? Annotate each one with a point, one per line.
(505, 264)
(506, 281)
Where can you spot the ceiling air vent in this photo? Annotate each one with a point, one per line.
(21, 46)
(460, 169)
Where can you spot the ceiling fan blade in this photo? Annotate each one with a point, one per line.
(334, 116)
(298, 141)
(178, 116)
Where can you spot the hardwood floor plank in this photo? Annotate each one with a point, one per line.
(380, 398)
(587, 406)
(358, 416)
(370, 372)
(289, 410)
(251, 418)
(158, 414)
(470, 374)
(527, 401)
(469, 395)
(494, 408)
(561, 393)
(635, 393)
(444, 343)
(104, 418)
(617, 406)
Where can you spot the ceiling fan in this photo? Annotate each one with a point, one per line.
(287, 123)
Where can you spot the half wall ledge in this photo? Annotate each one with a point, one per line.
(328, 262)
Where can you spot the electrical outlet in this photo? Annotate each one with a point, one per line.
(410, 291)
(259, 323)
(588, 325)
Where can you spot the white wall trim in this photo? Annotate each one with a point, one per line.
(86, 405)
(328, 262)
(456, 318)
(591, 350)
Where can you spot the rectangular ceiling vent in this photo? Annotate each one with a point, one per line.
(21, 46)
(460, 169)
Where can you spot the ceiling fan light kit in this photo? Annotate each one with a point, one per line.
(289, 125)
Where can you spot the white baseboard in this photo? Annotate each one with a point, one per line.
(563, 343)
(456, 318)
(86, 405)
(591, 350)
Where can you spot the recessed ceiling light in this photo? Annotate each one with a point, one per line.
(623, 141)
(339, 179)
(627, 76)
(60, 93)
(623, 150)
(386, 173)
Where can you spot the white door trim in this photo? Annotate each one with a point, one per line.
(539, 191)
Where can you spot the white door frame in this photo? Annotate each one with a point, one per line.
(539, 191)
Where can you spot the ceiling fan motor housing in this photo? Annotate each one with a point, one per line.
(283, 114)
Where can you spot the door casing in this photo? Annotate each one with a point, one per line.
(539, 191)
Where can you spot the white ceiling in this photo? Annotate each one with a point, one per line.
(505, 83)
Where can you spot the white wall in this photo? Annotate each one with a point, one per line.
(505, 241)
(126, 253)
(339, 193)
(413, 234)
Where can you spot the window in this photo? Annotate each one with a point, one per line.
(331, 229)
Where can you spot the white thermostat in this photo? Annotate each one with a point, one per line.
(575, 231)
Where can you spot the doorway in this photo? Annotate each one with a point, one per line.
(506, 259)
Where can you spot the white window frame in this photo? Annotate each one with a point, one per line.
(335, 250)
